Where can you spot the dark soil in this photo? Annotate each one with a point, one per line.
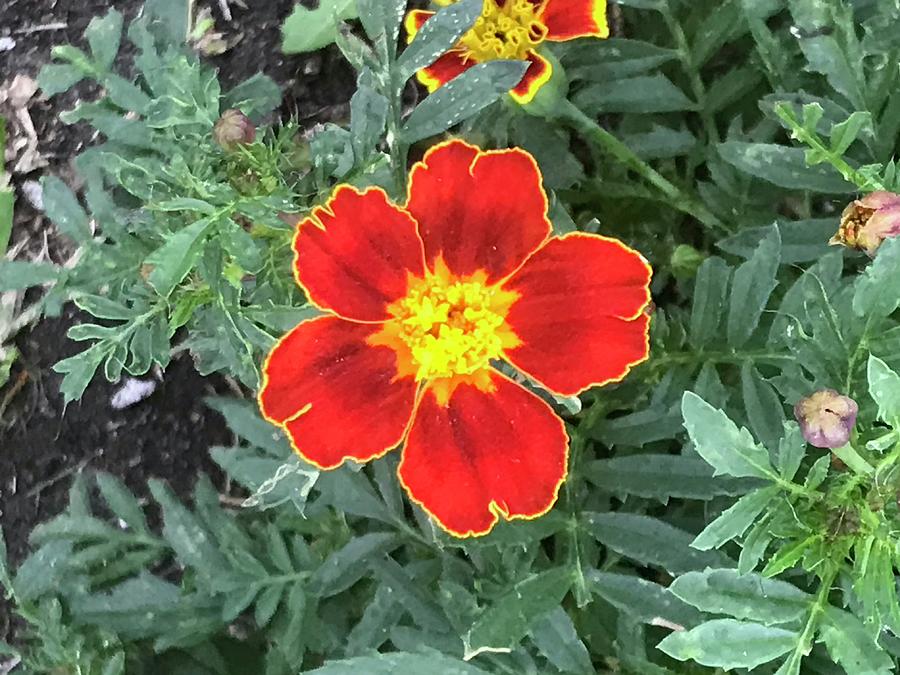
(167, 435)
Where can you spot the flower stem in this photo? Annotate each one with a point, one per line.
(612, 145)
(854, 460)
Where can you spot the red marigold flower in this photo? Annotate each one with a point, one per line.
(421, 300)
(513, 29)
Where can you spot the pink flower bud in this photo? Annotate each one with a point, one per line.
(234, 128)
(867, 222)
(826, 418)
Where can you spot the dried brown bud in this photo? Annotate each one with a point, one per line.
(826, 418)
(867, 222)
(234, 128)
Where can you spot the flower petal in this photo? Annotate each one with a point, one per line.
(580, 315)
(538, 74)
(570, 19)
(478, 210)
(879, 200)
(488, 453)
(337, 396)
(354, 255)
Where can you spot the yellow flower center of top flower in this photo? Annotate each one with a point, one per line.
(509, 31)
(448, 326)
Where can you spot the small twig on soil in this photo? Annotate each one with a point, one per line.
(68, 471)
(13, 391)
(59, 25)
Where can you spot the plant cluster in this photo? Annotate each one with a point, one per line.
(731, 504)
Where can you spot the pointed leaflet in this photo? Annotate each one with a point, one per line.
(750, 596)
(502, 626)
(439, 34)
(462, 97)
(753, 283)
(884, 387)
(735, 521)
(729, 644)
(728, 449)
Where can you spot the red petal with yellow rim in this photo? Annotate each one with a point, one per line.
(414, 21)
(478, 210)
(580, 316)
(538, 74)
(570, 19)
(483, 456)
(355, 254)
(334, 394)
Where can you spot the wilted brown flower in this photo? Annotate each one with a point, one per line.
(869, 221)
(826, 418)
(234, 128)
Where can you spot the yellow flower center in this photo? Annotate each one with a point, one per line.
(448, 326)
(509, 31)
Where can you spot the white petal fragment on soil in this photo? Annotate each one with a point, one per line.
(7, 44)
(132, 391)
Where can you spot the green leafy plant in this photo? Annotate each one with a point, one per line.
(696, 531)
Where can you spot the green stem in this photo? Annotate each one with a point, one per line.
(854, 460)
(804, 644)
(612, 145)
(693, 73)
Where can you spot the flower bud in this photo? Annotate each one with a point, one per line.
(234, 128)
(869, 221)
(826, 418)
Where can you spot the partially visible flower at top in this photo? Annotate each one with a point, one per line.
(826, 418)
(867, 222)
(422, 301)
(514, 30)
(234, 128)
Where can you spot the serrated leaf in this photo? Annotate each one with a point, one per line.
(728, 644)
(844, 134)
(878, 289)
(79, 371)
(63, 209)
(462, 97)
(55, 78)
(763, 405)
(783, 166)
(884, 387)
(791, 450)
(710, 291)
(734, 521)
(173, 261)
(103, 35)
(643, 94)
(121, 502)
(751, 287)
(508, 619)
(728, 449)
(852, 645)
(750, 596)
(646, 601)
(662, 477)
(191, 541)
(399, 662)
(439, 34)
(347, 565)
(557, 639)
(267, 604)
(18, 275)
(650, 541)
